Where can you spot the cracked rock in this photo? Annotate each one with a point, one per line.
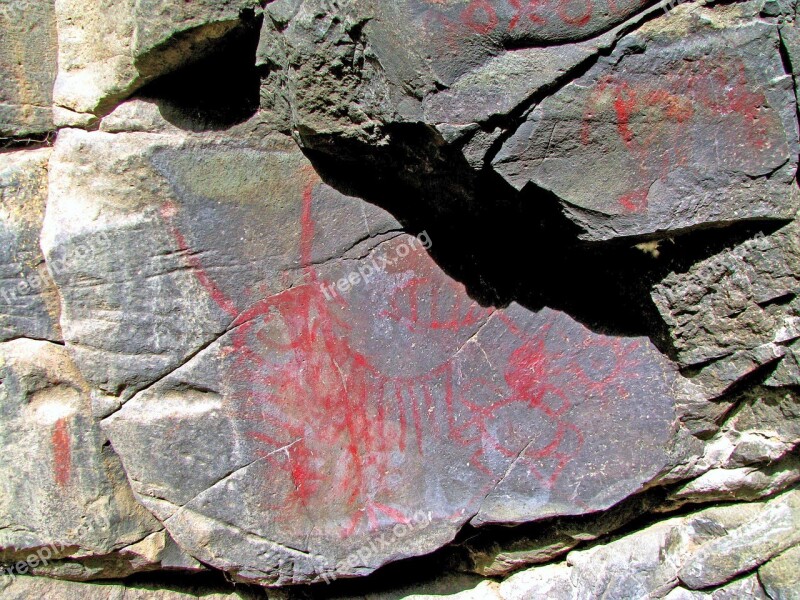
(107, 50)
(691, 121)
(27, 67)
(29, 304)
(739, 300)
(331, 401)
(65, 498)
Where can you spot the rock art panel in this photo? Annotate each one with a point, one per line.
(340, 390)
(27, 67)
(690, 122)
(29, 305)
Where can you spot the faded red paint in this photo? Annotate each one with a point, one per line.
(654, 118)
(324, 415)
(62, 452)
(498, 17)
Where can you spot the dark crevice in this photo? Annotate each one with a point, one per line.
(508, 246)
(199, 584)
(218, 91)
(782, 300)
(28, 142)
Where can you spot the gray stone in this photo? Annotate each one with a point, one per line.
(633, 147)
(747, 547)
(27, 67)
(26, 588)
(736, 301)
(65, 500)
(317, 400)
(107, 50)
(29, 304)
(781, 575)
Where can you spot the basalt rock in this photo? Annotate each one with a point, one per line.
(66, 508)
(690, 122)
(425, 297)
(356, 406)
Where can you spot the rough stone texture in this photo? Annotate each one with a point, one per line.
(107, 49)
(27, 67)
(266, 378)
(25, 588)
(690, 122)
(781, 576)
(424, 394)
(63, 488)
(706, 548)
(737, 301)
(28, 298)
(345, 70)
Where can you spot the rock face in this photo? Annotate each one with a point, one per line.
(690, 121)
(29, 304)
(65, 496)
(27, 67)
(106, 50)
(251, 334)
(336, 370)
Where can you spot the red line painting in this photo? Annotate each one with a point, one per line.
(339, 430)
(658, 119)
(62, 453)
(503, 18)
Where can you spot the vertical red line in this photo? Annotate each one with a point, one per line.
(417, 418)
(62, 454)
(401, 410)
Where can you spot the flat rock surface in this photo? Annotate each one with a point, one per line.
(29, 304)
(691, 121)
(334, 401)
(27, 67)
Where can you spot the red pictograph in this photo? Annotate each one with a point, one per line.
(62, 452)
(333, 429)
(655, 117)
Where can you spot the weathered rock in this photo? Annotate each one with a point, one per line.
(781, 575)
(329, 387)
(744, 483)
(107, 50)
(28, 298)
(752, 544)
(27, 67)
(737, 301)
(346, 70)
(634, 146)
(646, 564)
(747, 587)
(499, 552)
(65, 499)
(25, 588)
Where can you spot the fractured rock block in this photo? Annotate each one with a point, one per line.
(690, 122)
(29, 305)
(65, 498)
(27, 67)
(304, 393)
(108, 49)
(737, 302)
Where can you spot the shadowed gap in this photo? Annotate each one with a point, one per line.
(507, 246)
(217, 91)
